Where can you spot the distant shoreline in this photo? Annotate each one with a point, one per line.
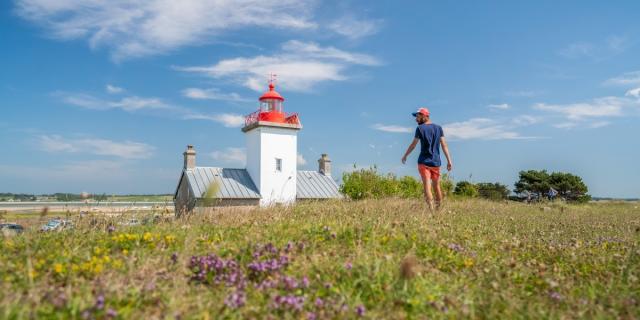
(89, 206)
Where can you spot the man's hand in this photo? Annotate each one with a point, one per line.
(449, 166)
(404, 160)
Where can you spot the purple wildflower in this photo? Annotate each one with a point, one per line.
(111, 228)
(112, 313)
(319, 302)
(455, 247)
(555, 296)
(174, 257)
(212, 269)
(289, 302)
(348, 265)
(100, 302)
(360, 310)
(288, 247)
(235, 300)
(305, 282)
(311, 316)
(290, 283)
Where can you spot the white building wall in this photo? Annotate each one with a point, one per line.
(264, 146)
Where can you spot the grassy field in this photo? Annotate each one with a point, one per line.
(369, 259)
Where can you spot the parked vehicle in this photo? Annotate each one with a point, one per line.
(11, 229)
(57, 225)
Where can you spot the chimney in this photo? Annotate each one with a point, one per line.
(324, 165)
(189, 158)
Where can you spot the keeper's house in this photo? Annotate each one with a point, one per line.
(271, 175)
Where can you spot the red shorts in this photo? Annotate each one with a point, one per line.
(429, 173)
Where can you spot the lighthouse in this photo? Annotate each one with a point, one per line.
(271, 137)
(270, 176)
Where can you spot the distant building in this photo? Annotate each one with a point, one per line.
(271, 175)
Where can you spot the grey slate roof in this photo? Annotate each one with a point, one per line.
(315, 185)
(237, 184)
(232, 183)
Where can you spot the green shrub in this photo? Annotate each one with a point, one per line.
(369, 183)
(492, 191)
(466, 189)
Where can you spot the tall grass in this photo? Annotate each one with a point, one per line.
(386, 258)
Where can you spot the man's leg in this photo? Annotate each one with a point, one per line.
(426, 184)
(435, 178)
(438, 192)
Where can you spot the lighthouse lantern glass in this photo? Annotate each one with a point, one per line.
(269, 105)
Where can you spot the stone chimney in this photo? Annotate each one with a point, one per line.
(189, 157)
(324, 165)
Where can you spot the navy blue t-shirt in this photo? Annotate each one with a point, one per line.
(429, 135)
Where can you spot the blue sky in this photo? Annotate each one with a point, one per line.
(103, 96)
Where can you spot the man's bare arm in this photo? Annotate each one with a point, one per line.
(410, 149)
(445, 148)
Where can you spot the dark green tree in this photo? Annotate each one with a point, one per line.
(533, 181)
(570, 187)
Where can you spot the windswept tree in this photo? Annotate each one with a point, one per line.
(533, 181)
(569, 186)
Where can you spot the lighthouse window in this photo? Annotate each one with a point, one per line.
(278, 165)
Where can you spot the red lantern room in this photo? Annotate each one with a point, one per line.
(271, 109)
(271, 105)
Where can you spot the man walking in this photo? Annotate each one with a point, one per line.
(431, 137)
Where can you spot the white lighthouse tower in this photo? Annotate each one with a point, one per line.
(272, 149)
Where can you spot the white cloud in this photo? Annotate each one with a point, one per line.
(354, 28)
(598, 124)
(617, 44)
(503, 106)
(229, 120)
(476, 128)
(103, 147)
(587, 124)
(212, 94)
(626, 79)
(237, 156)
(525, 120)
(393, 128)
(299, 66)
(131, 103)
(301, 161)
(481, 129)
(142, 28)
(577, 50)
(611, 47)
(633, 93)
(161, 108)
(113, 89)
(600, 107)
(522, 93)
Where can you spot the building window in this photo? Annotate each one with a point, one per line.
(278, 164)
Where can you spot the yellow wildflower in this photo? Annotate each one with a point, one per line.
(468, 262)
(58, 268)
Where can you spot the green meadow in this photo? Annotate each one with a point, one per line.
(367, 259)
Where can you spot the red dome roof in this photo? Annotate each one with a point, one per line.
(271, 94)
